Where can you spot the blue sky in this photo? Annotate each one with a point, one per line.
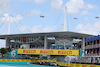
(28, 12)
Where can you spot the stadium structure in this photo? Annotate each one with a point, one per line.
(65, 46)
(49, 40)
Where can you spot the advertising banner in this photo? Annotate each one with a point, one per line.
(48, 52)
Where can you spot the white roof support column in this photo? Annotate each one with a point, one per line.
(83, 44)
(64, 45)
(7, 43)
(14, 46)
(45, 42)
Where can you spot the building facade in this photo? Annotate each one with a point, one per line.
(92, 46)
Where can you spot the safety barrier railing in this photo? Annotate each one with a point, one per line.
(92, 46)
(92, 54)
(89, 47)
(98, 45)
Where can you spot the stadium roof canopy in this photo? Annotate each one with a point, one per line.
(56, 34)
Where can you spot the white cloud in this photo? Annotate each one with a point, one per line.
(86, 18)
(73, 6)
(40, 1)
(36, 1)
(49, 29)
(3, 5)
(38, 28)
(90, 6)
(32, 13)
(23, 28)
(19, 17)
(56, 4)
(10, 18)
(89, 28)
(84, 13)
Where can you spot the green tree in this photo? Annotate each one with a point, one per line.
(3, 51)
(8, 49)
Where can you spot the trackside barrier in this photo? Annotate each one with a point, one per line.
(59, 63)
(27, 60)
